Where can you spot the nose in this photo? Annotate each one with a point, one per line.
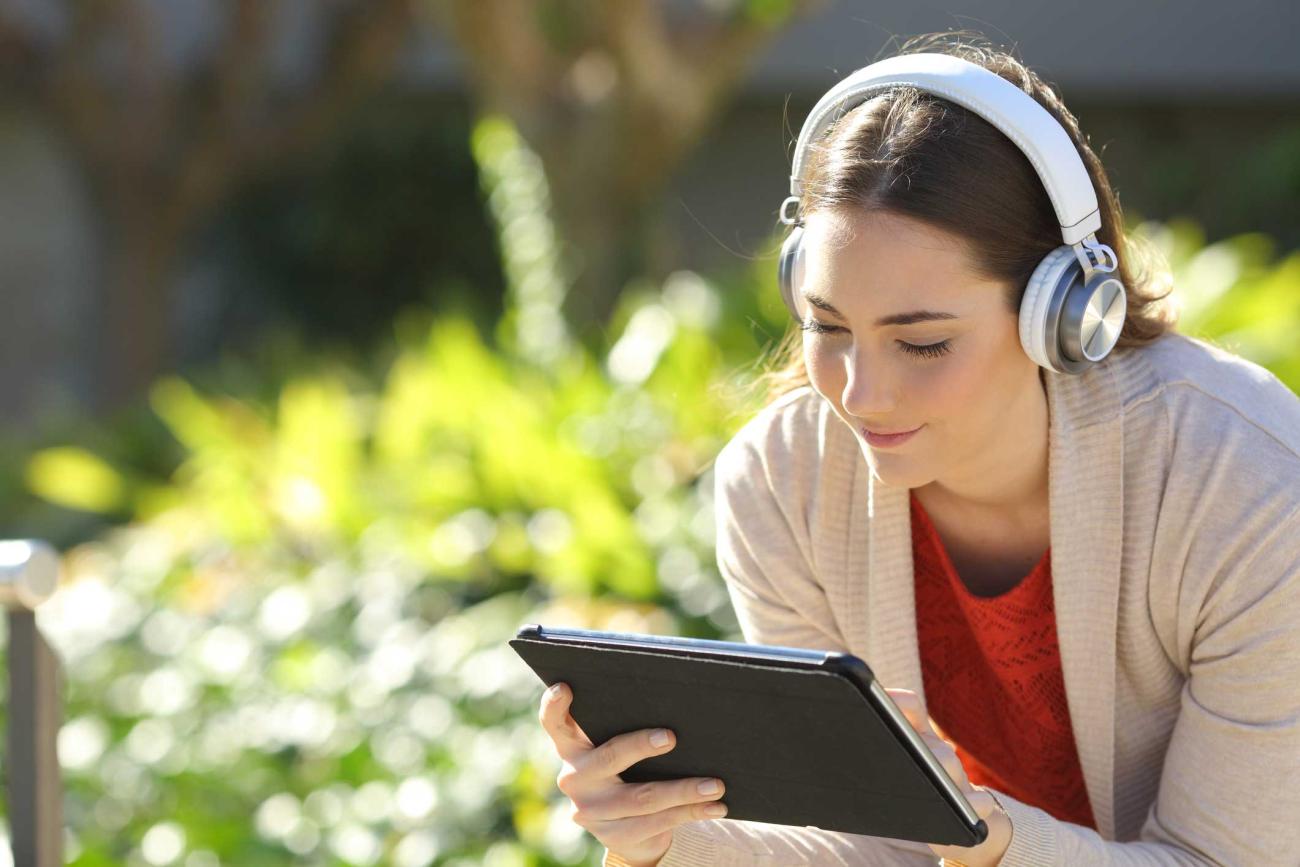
(868, 387)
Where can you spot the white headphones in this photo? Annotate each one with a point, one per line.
(1072, 310)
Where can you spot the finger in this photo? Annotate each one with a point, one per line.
(623, 751)
(947, 757)
(982, 802)
(642, 799)
(618, 834)
(910, 704)
(570, 740)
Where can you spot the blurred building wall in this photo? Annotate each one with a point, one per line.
(1175, 51)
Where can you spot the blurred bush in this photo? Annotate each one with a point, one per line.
(294, 651)
(1236, 293)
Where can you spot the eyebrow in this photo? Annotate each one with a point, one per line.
(909, 318)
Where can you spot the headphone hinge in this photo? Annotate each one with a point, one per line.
(1095, 256)
(785, 214)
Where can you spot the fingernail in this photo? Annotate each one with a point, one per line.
(660, 738)
(708, 787)
(554, 691)
(716, 810)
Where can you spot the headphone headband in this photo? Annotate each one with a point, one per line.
(1017, 114)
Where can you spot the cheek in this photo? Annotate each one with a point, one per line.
(825, 369)
(948, 387)
(957, 389)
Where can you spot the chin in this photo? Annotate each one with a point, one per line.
(895, 471)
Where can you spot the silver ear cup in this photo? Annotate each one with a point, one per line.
(790, 270)
(1068, 324)
(1092, 319)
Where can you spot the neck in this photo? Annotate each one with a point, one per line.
(1010, 474)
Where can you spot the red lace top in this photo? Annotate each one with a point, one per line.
(993, 683)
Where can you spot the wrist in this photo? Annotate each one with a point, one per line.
(1005, 830)
(613, 859)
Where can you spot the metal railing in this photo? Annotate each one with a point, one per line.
(29, 574)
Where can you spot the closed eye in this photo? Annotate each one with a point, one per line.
(819, 327)
(926, 350)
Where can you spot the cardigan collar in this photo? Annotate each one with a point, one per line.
(1085, 495)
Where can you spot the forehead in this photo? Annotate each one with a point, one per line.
(880, 259)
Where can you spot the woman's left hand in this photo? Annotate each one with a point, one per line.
(990, 852)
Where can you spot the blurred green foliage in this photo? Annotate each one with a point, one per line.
(1236, 293)
(305, 625)
(292, 649)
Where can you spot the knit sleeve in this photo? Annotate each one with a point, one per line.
(1227, 790)
(762, 555)
(764, 545)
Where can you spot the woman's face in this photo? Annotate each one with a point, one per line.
(906, 336)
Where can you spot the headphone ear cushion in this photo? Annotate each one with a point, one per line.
(1043, 283)
(790, 270)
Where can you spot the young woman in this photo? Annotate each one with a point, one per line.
(1077, 569)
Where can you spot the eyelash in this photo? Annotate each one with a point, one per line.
(932, 350)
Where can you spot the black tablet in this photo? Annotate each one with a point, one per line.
(799, 737)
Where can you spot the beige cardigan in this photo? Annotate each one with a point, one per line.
(1175, 532)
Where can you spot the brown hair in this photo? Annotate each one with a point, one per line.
(1002, 210)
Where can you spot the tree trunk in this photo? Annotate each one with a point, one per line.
(137, 312)
(605, 239)
(612, 105)
(163, 144)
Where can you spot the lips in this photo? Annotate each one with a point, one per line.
(886, 440)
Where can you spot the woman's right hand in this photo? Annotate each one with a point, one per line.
(633, 820)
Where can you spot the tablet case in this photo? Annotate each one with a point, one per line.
(794, 746)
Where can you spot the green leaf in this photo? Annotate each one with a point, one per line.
(75, 478)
